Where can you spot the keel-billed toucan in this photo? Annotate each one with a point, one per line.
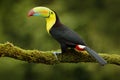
(65, 36)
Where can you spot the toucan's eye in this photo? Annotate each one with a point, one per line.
(51, 12)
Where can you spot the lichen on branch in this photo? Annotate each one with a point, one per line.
(47, 57)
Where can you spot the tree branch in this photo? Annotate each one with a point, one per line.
(46, 57)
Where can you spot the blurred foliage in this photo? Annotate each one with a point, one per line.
(97, 21)
(18, 70)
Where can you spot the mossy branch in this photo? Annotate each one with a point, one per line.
(46, 57)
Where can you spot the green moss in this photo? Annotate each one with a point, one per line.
(9, 50)
(46, 57)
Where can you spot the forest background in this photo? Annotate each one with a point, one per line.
(96, 21)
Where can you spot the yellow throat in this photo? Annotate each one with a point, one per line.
(50, 21)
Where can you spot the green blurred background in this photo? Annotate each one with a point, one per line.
(97, 21)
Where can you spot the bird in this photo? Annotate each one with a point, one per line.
(66, 37)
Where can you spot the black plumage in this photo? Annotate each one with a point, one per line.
(68, 38)
(65, 36)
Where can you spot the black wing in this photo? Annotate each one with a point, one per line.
(66, 36)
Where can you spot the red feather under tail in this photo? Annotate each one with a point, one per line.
(80, 47)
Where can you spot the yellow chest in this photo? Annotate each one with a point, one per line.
(50, 22)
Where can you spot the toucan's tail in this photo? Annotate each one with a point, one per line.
(92, 53)
(95, 55)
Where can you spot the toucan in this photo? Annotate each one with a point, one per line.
(66, 37)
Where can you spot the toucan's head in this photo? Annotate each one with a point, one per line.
(45, 12)
(41, 11)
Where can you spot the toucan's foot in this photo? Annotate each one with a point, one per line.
(55, 54)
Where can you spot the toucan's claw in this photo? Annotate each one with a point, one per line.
(55, 54)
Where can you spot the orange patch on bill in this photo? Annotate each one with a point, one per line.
(44, 11)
